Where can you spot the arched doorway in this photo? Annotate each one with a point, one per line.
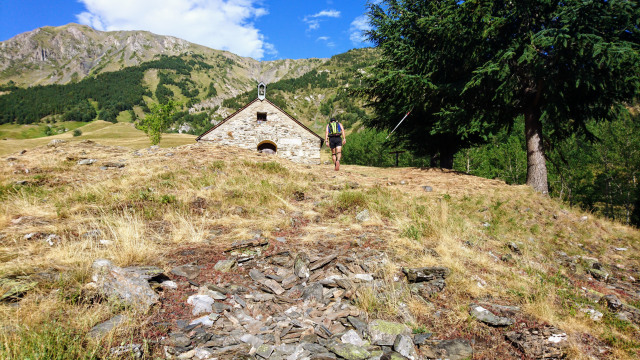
(267, 147)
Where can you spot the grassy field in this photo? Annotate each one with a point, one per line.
(466, 224)
(120, 134)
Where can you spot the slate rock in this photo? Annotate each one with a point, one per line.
(457, 349)
(103, 328)
(86, 161)
(176, 339)
(384, 332)
(129, 351)
(415, 275)
(540, 343)
(301, 266)
(363, 216)
(489, 318)
(264, 351)
(128, 286)
(361, 326)
(612, 302)
(348, 351)
(404, 346)
(201, 304)
(420, 339)
(188, 271)
(353, 338)
(313, 291)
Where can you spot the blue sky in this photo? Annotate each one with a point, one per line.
(262, 29)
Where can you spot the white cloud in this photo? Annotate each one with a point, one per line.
(323, 38)
(358, 26)
(219, 24)
(313, 21)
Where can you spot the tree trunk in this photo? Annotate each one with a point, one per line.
(536, 162)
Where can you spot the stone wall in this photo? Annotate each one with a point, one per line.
(293, 142)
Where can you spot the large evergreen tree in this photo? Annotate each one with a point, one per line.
(470, 67)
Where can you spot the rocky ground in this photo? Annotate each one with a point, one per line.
(361, 264)
(265, 299)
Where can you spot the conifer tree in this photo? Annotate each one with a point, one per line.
(469, 68)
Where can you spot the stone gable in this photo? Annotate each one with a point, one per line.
(291, 139)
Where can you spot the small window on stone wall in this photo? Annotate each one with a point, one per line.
(262, 117)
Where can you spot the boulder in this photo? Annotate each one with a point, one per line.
(127, 286)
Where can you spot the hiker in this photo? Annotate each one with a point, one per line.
(334, 136)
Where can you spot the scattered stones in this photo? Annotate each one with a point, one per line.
(427, 188)
(540, 343)
(130, 351)
(483, 315)
(128, 286)
(363, 216)
(595, 315)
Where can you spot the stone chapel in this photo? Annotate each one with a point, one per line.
(262, 126)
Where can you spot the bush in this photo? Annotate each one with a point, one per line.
(77, 132)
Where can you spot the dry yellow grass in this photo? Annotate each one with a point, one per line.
(158, 203)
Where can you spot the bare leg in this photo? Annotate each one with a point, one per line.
(333, 155)
(338, 157)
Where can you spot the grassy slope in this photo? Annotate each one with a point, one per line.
(145, 209)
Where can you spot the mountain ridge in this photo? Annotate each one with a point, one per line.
(68, 53)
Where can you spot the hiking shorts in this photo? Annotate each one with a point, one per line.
(335, 141)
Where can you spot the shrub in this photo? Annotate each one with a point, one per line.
(77, 132)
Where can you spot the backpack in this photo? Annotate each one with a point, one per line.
(335, 129)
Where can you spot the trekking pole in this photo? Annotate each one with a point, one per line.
(394, 129)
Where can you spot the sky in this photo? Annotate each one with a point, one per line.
(261, 29)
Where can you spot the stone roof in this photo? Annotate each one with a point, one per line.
(246, 106)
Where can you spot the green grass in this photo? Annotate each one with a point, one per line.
(50, 341)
